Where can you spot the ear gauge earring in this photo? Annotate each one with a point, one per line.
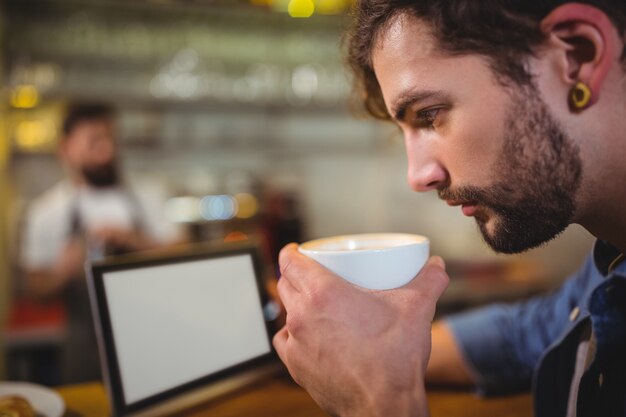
(579, 96)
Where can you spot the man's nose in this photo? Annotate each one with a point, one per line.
(425, 171)
(104, 150)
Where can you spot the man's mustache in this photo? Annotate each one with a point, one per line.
(462, 194)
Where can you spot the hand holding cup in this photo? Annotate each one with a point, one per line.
(357, 351)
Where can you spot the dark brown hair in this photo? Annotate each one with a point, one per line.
(80, 112)
(504, 31)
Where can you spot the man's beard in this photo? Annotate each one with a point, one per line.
(101, 176)
(537, 176)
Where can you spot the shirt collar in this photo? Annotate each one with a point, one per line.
(604, 255)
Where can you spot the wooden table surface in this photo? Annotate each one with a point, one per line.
(279, 397)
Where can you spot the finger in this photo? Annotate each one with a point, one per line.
(287, 259)
(280, 344)
(288, 294)
(303, 272)
(432, 280)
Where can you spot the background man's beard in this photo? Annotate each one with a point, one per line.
(537, 177)
(101, 176)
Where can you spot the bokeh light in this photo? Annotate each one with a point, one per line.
(218, 207)
(301, 8)
(248, 205)
(25, 97)
(182, 209)
(330, 6)
(235, 236)
(33, 134)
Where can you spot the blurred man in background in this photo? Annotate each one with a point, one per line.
(90, 214)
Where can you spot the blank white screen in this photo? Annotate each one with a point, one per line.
(176, 323)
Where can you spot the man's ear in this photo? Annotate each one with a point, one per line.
(590, 42)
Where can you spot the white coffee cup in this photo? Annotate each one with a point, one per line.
(378, 261)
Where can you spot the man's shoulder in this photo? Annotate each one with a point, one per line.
(52, 202)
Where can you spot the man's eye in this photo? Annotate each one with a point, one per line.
(426, 118)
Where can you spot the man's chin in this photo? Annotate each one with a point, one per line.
(101, 176)
(494, 235)
(502, 238)
(505, 247)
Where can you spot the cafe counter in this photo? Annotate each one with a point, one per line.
(280, 397)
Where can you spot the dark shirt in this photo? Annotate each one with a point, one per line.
(534, 343)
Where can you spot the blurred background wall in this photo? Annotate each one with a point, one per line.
(242, 105)
(5, 289)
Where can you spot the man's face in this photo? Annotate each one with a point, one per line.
(89, 151)
(496, 151)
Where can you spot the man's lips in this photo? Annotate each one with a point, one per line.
(468, 207)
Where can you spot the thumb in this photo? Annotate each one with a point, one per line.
(432, 280)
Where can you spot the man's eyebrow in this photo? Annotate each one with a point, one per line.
(407, 99)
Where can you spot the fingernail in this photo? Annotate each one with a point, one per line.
(438, 261)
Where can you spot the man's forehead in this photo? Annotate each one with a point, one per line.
(406, 60)
(404, 31)
(97, 123)
(87, 128)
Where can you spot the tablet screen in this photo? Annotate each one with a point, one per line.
(176, 323)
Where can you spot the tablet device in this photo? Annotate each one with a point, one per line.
(180, 329)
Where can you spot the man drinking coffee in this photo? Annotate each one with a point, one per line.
(515, 112)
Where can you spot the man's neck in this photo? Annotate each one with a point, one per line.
(602, 200)
(612, 232)
(76, 179)
(607, 220)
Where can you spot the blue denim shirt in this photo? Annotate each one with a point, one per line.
(534, 343)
